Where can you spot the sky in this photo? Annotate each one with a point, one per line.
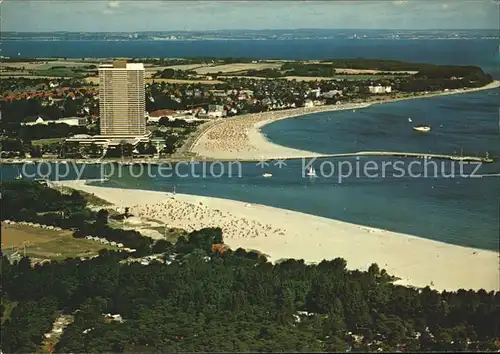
(167, 15)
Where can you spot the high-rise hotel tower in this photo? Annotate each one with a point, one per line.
(122, 99)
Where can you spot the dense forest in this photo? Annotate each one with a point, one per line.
(169, 73)
(197, 298)
(383, 64)
(299, 69)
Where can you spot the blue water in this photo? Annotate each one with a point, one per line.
(482, 52)
(463, 211)
(467, 122)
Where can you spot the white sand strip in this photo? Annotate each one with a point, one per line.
(280, 233)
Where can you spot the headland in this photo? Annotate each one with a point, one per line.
(240, 138)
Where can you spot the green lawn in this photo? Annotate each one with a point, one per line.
(172, 233)
(8, 306)
(49, 141)
(63, 72)
(48, 244)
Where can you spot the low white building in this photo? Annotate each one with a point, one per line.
(73, 121)
(308, 103)
(332, 93)
(216, 111)
(380, 89)
(315, 92)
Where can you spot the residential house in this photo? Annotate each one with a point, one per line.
(218, 93)
(308, 103)
(200, 112)
(216, 111)
(315, 92)
(319, 102)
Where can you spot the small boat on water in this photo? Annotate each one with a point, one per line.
(410, 120)
(19, 175)
(422, 128)
(311, 172)
(267, 175)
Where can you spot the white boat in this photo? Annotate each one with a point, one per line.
(19, 175)
(311, 172)
(422, 128)
(410, 120)
(267, 175)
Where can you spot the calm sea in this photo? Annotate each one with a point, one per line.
(462, 211)
(483, 52)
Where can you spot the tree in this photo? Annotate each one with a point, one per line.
(167, 73)
(36, 151)
(161, 246)
(230, 301)
(102, 218)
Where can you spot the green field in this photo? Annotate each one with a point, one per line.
(50, 141)
(48, 244)
(8, 306)
(60, 72)
(172, 233)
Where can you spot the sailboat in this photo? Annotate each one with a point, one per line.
(19, 175)
(311, 172)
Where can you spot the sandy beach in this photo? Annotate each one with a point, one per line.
(240, 138)
(281, 233)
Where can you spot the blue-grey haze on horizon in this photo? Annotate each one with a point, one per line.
(130, 16)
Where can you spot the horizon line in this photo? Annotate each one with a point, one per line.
(260, 29)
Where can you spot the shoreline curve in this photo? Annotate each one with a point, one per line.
(241, 137)
(281, 234)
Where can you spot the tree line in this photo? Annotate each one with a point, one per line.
(204, 300)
